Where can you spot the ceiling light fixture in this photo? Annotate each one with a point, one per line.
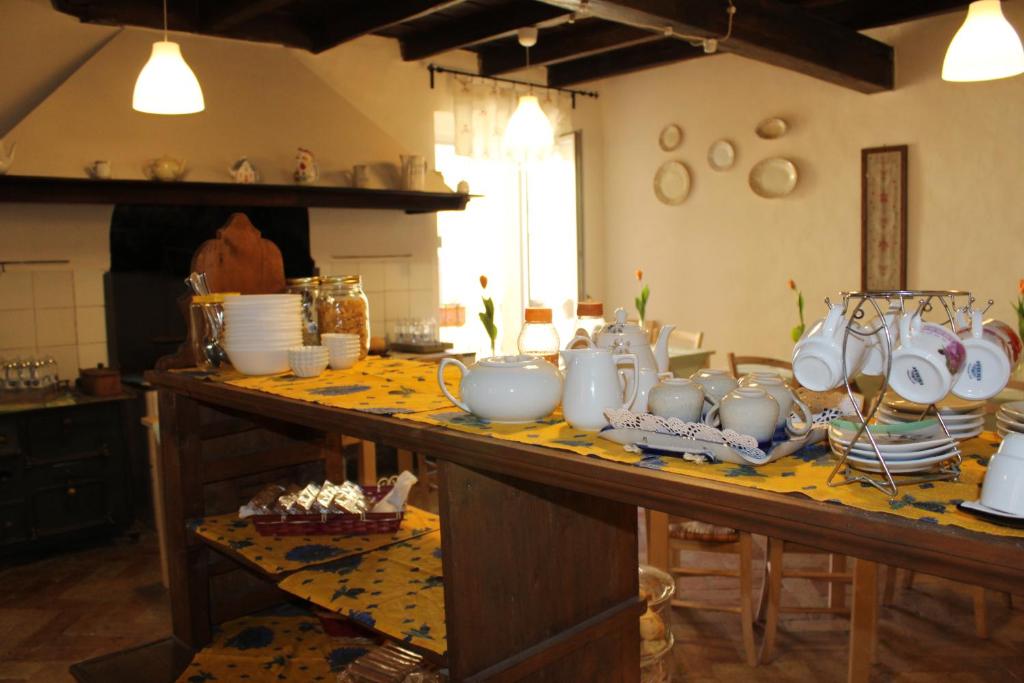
(529, 135)
(985, 48)
(166, 84)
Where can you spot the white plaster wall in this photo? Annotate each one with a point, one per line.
(720, 261)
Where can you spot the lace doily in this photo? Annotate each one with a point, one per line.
(625, 419)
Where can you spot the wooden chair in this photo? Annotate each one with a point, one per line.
(666, 540)
(681, 339)
(979, 596)
(837, 576)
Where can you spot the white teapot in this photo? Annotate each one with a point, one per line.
(165, 169)
(625, 337)
(512, 389)
(6, 156)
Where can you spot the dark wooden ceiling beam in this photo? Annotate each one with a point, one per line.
(353, 20)
(487, 24)
(228, 14)
(864, 14)
(767, 31)
(582, 39)
(622, 61)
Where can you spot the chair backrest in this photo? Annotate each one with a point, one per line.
(682, 339)
(762, 361)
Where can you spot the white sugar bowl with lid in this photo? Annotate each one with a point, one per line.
(777, 388)
(716, 383)
(747, 410)
(677, 397)
(512, 389)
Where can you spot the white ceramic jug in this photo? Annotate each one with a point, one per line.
(594, 384)
(414, 172)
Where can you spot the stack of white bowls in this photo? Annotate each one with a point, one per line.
(259, 330)
(964, 419)
(1010, 418)
(343, 349)
(308, 361)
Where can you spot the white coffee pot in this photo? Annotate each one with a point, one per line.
(594, 383)
(626, 337)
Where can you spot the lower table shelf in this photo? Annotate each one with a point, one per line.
(397, 591)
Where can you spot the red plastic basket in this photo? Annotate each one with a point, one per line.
(333, 524)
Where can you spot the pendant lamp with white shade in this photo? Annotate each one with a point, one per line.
(985, 48)
(166, 84)
(529, 135)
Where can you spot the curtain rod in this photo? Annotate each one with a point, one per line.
(434, 68)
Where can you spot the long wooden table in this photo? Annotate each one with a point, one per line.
(540, 545)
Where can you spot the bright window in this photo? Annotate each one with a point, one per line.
(521, 233)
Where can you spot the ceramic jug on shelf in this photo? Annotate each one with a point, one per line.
(594, 383)
(6, 156)
(414, 172)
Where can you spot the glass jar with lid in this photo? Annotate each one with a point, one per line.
(308, 288)
(342, 306)
(539, 336)
(206, 329)
(589, 318)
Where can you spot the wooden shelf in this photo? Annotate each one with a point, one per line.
(39, 189)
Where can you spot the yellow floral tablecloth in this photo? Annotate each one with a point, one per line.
(280, 554)
(804, 472)
(270, 649)
(397, 590)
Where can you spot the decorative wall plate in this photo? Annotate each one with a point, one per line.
(772, 128)
(672, 183)
(721, 155)
(671, 137)
(773, 177)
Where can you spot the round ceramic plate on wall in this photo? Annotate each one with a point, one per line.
(671, 137)
(773, 178)
(772, 129)
(721, 155)
(672, 183)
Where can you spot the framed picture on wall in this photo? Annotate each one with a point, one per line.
(883, 250)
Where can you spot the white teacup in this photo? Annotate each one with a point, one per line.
(677, 397)
(876, 351)
(747, 410)
(777, 388)
(716, 384)
(927, 362)
(1003, 488)
(987, 367)
(818, 356)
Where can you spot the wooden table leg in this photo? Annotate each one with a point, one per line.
(657, 540)
(540, 583)
(367, 463)
(187, 559)
(405, 460)
(863, 622)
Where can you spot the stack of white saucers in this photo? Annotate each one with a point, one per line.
(964, 419)
(1010, 418)
(344, 349)
(906, 448)
(259, 330)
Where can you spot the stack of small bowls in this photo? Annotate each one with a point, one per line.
(307, 361)
(259, 330)
(343, 349)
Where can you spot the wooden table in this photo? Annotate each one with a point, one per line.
(540, 545)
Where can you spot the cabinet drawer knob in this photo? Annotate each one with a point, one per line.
(66, 422)
(72, 490)
(8, 525)
(3, 439)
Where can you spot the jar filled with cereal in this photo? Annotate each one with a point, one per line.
(342, 307)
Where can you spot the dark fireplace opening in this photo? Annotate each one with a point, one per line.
(151, 251)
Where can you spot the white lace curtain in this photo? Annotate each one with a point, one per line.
(482, 108)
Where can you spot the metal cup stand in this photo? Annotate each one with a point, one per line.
(948, 470)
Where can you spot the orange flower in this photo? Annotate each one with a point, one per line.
(1020, 286)
(483, 281)
(792, 285)
(640, 275)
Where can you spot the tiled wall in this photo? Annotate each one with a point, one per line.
(53, 312)
(398, 287)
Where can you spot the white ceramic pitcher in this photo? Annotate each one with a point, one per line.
(414, 172)
(593, 384)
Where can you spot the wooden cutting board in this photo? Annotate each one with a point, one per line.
(240, 260)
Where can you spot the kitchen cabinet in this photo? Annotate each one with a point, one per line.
(64, 472)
